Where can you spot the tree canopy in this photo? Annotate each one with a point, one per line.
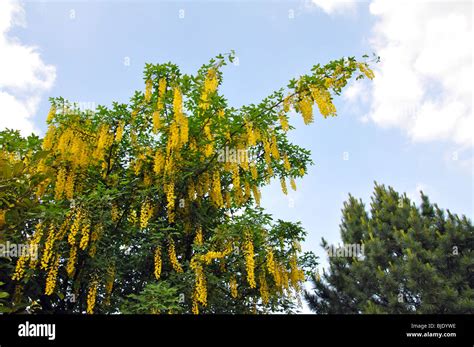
(154, 205)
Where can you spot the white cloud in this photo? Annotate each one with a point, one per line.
(423, 83)
(24, 77)
(335, 6)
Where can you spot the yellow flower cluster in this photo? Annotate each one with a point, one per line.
(119, 131)
(20, 268)
(249, 259)
(253, 171)
(69, 185)
(296, 274)
(158, 262)
(2, 217)
(114, 213)
(284, 122)
(198, 239)
(159, 105)
(148, 89)
(364, 68)
(251, 138)
(264, 294)
(256, 195)
(35, 240)
(212, 255)
(52, 277)
(86, 228)
(51, 114)
(210, 86)
(209, 149)
(48, 248)
(132, 217)
(145, 214)
(200, 287)
(76, 225)
(283, 186)
(233, 287)
(179, 128)
(71, 263)
(170, 197)
(323, 100)
(274, 148)
(216, 194)
(99, 228)
(110, 279)
(60, 183)
(270, 261)
(286, 163)
(306, 108)
(173, 258)
(92, 296)
(293, 183)
(159, 162)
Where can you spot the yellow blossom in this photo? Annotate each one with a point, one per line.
(292, 183)
(52, 276)
(306, 108)
(92, 296)
(264, 294)
(284, 122)
(173, 258)
(148, 90)
(71, 263)
(198, 239)
(233, 287)
(60, 183)
(283, 186)
(119, 131)
(51, 114)
(364, 68)
(249, 259)
(85, 235)
(324, 102)
(158, 262)
(145, 214)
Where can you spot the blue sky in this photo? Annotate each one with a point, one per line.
(86, 44)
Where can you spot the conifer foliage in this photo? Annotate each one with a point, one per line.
(416, 259)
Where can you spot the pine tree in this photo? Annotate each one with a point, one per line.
(415, 259)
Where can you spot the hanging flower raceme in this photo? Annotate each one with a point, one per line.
(323, 99)
(52, 276)
(158, 262)
(145, 214)
(92, 296)
(264, 294)
(305, 106)
(48, 247)
(198, 239)
(173, 258)
(283, 186)
(249, 259)
(210, 86)
(148, 90)
(233, 287)
(200, 286)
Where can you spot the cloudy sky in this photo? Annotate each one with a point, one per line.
(411, 128)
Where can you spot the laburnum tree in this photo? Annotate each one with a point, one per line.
(153, 206)
(416, 259)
